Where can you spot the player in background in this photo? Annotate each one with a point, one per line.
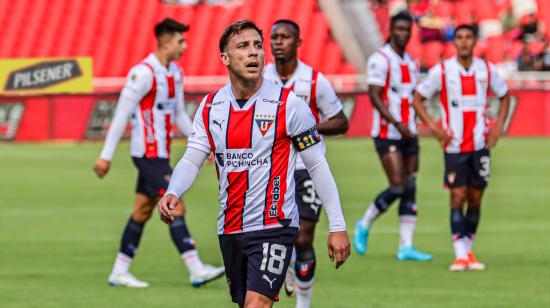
(153, 96)
(256, 129)
(317, 92)
(391, 76)
(464, 82)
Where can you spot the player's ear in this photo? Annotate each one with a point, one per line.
(299, 42)
(225, 59)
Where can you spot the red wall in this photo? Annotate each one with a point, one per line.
(67, 116)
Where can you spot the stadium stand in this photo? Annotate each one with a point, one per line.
(117, 33)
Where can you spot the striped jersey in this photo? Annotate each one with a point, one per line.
(314, 89)
(158, 89)
(398, 76)
(255, 147)
(463, 97)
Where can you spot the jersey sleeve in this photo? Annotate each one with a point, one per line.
(431, 84)
(199, 137)
(301, 123)
(377, 70)
(498, 86)
(138, 82)
(327, 101)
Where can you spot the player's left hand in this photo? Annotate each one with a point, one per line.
(101, 167)
(492, 139)
(339, 247)
(211, 158)
(165, 207)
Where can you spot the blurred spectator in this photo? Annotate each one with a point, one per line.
(431, 27)
(531, 28)
(526, 60)
(448, 33)
(508, 20)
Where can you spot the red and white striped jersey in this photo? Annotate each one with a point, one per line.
(255, 156)
(314, 88)
(398, 76)
(463, 100)
(158, 90)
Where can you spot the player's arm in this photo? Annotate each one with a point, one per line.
(306, 139)
(428, 87)
(183, 122)
(500, 89)
(187, 169)
(377, 70)
(138, 84)
(331, 107)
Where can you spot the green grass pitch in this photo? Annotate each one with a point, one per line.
(60, 229)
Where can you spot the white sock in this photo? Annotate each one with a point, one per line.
(460, 248)
(122, 264)
(371, 214)
(192, 261)
(303, 293)
(469, 242)
(407, 223)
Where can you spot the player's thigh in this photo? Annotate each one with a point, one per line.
(268, 257)
(411, 164)
(257, 300)
(305, 236)
(410, 150)
(143, 207)
(235, 262)
(393, 165)
(474, 196)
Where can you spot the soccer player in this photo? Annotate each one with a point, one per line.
(256, 129)
(391, 76)
(315, 89)
(464, 82)
(153, 96)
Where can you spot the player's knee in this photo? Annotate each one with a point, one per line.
(304, 242)
(397, 181)
(257, 301)
(458, 201)
(142, 214)
(407, 208)
(474, 203)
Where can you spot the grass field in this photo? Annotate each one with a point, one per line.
(60, 229)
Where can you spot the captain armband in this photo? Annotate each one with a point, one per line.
(306, 139)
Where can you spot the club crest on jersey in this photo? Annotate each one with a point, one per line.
(264, 122)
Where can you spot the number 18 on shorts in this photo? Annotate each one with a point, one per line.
(257, 261)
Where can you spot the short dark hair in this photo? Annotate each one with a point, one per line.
(403, 15)
(169, 25)
(236, 28)
(290, 23)
(466, 27)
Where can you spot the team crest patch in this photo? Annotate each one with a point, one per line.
(451, 177)
(264, 122)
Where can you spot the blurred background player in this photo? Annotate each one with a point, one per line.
(391, 76)
(256, 129)
(464, 82)
(153, 95)
(315, 90)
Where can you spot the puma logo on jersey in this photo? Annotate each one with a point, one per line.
(268, 280)
(218, 123)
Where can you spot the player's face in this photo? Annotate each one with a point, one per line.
(401, 32)
(284, 42)
(464, 42)
(244, 55)
(176, 45)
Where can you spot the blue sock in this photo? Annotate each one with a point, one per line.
(180, 235)
(131, 237)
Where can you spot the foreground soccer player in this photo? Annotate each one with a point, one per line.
(153, 95)
(316, 90)
(256, 129)
(392, 75)
(464, 83)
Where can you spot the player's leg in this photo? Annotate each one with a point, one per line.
(408, 209)
(268, 255)
(392, 162)
(235, 262)
(305, 263)
(475, 196)
(131, 236)
(458, 225)
(199, 273)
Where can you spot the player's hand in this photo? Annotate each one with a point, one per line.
(101, 167)
(165, 207)
(211, 158)
(404, 130)
(338, 247)
(442, 135)
(494, 136)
